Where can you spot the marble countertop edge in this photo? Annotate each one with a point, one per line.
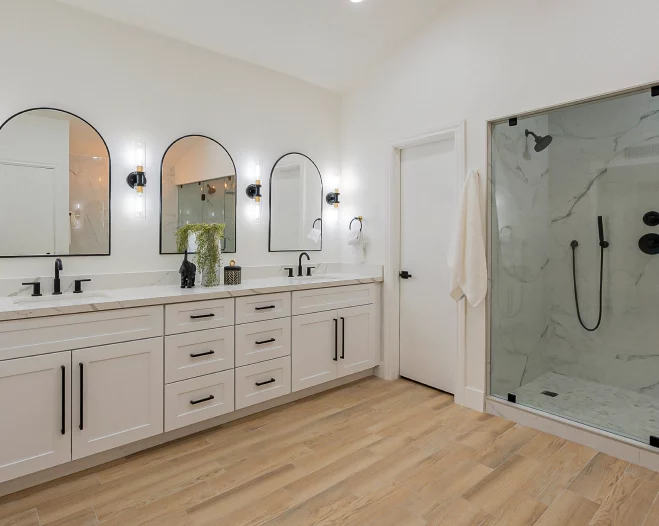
(162, 295)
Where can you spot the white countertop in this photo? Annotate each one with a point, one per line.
(22, 307)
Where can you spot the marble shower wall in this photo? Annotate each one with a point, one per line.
(604, 160)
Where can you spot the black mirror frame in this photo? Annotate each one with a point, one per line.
(235, 197)
(272, 171)
(109, 187)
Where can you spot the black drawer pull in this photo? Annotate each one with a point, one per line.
(272, 380)
(266, 341)
(336, 340)
(202, 354)
(343, 338)
(266, 308)
(63, 400)
(195, 402)
(199, 316)
(82, 397)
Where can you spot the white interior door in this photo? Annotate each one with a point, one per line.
(428, 315)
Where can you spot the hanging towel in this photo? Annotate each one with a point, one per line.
(466, 255)
(314, 235)
(356, 243)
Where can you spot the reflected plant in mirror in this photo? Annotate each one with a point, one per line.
(198, 186)
(296, 204)
(54, 186)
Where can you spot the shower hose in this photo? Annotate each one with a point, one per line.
(574, 245)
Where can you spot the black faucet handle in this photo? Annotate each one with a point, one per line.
(290, 271)
(36, 287)
(309, 269)
(78, 285)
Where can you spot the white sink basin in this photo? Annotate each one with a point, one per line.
(48, 298)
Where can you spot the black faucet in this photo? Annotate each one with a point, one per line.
(299, 264)
(56, 284)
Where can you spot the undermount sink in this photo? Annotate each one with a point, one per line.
(86, 298)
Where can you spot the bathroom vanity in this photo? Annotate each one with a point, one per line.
(83, 381)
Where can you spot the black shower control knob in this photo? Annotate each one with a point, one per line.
(651, 218)
(649, 244)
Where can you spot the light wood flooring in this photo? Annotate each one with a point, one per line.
(371, 453)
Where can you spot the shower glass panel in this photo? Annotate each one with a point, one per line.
(572, 192)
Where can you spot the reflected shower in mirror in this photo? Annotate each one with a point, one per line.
(54, 186)
(198, 185)
(296, 197)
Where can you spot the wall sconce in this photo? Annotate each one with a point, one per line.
(137, 179)
(253, 191)
(332, 198)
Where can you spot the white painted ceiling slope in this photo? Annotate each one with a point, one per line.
(325, 42)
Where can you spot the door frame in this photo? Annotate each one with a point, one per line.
(390, 368)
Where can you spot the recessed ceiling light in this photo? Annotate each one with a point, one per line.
(355, 1)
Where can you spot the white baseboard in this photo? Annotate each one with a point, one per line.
(474, 399)
(75, 466)
(614, 445)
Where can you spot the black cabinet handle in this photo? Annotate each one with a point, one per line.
(63, 400)
(199, 316)
(343, 338)
(265, 308)
(195, 402)
(272, 380)
(202, 354)
(336, 340)
(82, 397)
(266, 341)
(405, 274)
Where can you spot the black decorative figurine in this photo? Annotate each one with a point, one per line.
(188, 272)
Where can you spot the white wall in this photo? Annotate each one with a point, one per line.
(130, 83)
(482, 60)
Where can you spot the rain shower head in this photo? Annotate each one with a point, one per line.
(541, 143)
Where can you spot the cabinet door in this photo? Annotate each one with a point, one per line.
(35, 402)
(117, 395)
(357, 340)
(314, 351)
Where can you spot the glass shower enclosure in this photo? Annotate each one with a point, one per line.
(575, 263)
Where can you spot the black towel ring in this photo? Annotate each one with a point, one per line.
(316, 221)
(361, 223)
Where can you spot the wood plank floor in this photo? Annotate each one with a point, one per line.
(371, 453)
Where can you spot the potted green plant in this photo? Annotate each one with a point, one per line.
(209, 254)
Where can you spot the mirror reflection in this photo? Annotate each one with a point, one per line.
(198, 186)
(54, 186)
(296, 196)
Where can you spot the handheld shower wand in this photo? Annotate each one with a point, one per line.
(603, 244)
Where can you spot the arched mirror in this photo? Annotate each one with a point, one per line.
(198, 185)
(54, 186)
(296, 204)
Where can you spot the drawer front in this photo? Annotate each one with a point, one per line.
(198, 315)
(77, 331)
(263, 340)
(319, 300)
(263, 307)
(189, 401)
(274, 377)
(197, 353)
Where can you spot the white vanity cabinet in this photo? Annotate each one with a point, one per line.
(35, 408)
(117, 395)
(333, 343)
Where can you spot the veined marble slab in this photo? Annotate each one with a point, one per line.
(22, 307)
(620, 411)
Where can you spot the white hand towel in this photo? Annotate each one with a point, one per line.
(356, 243)
(466, 255)
(354, 237)
(314, 235)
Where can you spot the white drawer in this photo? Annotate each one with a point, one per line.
(189, 401)
(76, 331)
(263, 340)
(274, 377)
(198, 315)
(318, 300)
(263, 307)
(198, 353)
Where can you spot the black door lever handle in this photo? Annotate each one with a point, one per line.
(405, 274)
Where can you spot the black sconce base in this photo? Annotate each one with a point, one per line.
(136, 179)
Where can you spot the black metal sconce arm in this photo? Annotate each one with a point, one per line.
(332, 198)
(136, 179)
